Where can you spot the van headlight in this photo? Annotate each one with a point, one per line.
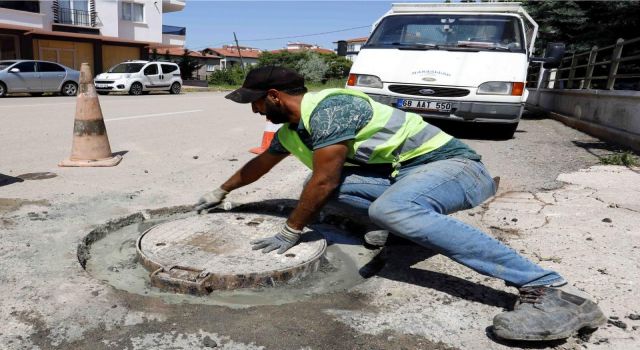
(364, 80)
(501, 88)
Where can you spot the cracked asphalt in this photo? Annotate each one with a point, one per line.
(556, 206)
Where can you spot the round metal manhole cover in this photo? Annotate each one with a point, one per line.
(199, 254)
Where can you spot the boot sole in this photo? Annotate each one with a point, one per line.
(591, 321)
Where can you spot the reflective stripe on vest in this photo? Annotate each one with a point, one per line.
(391, 136)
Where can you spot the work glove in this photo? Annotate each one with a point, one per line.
(211, 199)
(285, 239)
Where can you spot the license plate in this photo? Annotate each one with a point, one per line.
(102, 86)
(436, 106)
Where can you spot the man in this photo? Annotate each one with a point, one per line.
(407, 175)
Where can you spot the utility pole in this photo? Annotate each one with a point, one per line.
(239, 53)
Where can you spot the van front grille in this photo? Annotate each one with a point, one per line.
(437, 91)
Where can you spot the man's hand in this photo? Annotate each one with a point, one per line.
(285, 239)
(211, 199)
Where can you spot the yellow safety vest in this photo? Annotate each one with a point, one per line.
(392, 136)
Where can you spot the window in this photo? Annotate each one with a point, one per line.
(211, 67)
(26, 67)
(133, 12)
(9, 47)
(151, 69)
(127, 68)
(29, 6)
(168, 68)
(49, 67)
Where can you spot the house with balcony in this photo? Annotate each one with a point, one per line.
(349, 48)
(232, 55)
(100, 32)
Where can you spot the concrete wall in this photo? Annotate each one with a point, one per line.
(610, 115)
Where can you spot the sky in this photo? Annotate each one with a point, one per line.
(212, 23)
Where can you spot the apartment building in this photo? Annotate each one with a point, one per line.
(100, 32)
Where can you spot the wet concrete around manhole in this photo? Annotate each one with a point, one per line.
(109, 254)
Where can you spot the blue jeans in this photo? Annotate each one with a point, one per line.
(415, 204)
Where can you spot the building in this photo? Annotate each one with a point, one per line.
(207, 62)
(298, 47)
(100, 32)
(231, 56)
(353, 47)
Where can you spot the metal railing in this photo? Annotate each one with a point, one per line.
(75, 17)
(613, 67)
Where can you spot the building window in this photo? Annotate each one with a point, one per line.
(29, 6)
(211, 67)
(133, 12)
(9, 49)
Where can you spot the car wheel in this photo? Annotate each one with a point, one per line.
(135, 89)
(102, 92)
(69, 89)
(3, 90)
(175, 89)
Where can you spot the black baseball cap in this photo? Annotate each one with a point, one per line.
(259, 80)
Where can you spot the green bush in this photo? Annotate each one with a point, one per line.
(313, 68)
(228, 76)
(308, 64)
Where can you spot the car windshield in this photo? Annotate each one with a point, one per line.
(5, 64)
(442, 31)
(127, 68)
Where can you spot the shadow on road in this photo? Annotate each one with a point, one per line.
(473, 131)
(8, 180)
(395, 263)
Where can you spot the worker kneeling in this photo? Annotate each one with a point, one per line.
(407, 175)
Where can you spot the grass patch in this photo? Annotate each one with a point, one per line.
(625, 158)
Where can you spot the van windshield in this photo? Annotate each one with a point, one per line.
(443, 31)
(126, 68)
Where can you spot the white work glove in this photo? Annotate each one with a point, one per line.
(211, 199)
(283, 240)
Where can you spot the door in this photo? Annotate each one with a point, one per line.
(152, 76)
(168, 71)
(51, 75)
(26, 80)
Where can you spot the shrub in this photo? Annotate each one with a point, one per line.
(229, 76)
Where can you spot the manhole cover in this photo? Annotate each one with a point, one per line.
(199, 254)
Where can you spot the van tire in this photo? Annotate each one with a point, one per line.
(506, 131)
(3, 89)
(135, 89)
(175, 88)
(69, 88)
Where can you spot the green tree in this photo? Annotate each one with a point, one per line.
(313, 68)
(154, 54)
(188, 65)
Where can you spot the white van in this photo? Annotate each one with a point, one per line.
(140, 77)
(454, 61)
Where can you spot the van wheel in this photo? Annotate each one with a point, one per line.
(3, 90)
(506, 131)
(175, 89)
(69, 89)
(135, 89)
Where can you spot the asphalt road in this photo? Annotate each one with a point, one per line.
(177, 147)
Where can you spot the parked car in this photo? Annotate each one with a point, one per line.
(37, 77)
(140, 77)
(460, 61)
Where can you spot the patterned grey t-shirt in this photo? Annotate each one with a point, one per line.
(339, 118)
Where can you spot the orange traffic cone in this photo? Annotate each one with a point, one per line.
(270, 130)
(90, 142)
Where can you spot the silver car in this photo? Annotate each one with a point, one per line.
(37, 77)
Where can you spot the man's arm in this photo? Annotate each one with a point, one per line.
(327, 168)
(250, 172)
(253, 170)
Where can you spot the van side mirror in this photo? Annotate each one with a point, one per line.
(553, 55)
(14, 70)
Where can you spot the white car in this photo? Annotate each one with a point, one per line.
(140, 77)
